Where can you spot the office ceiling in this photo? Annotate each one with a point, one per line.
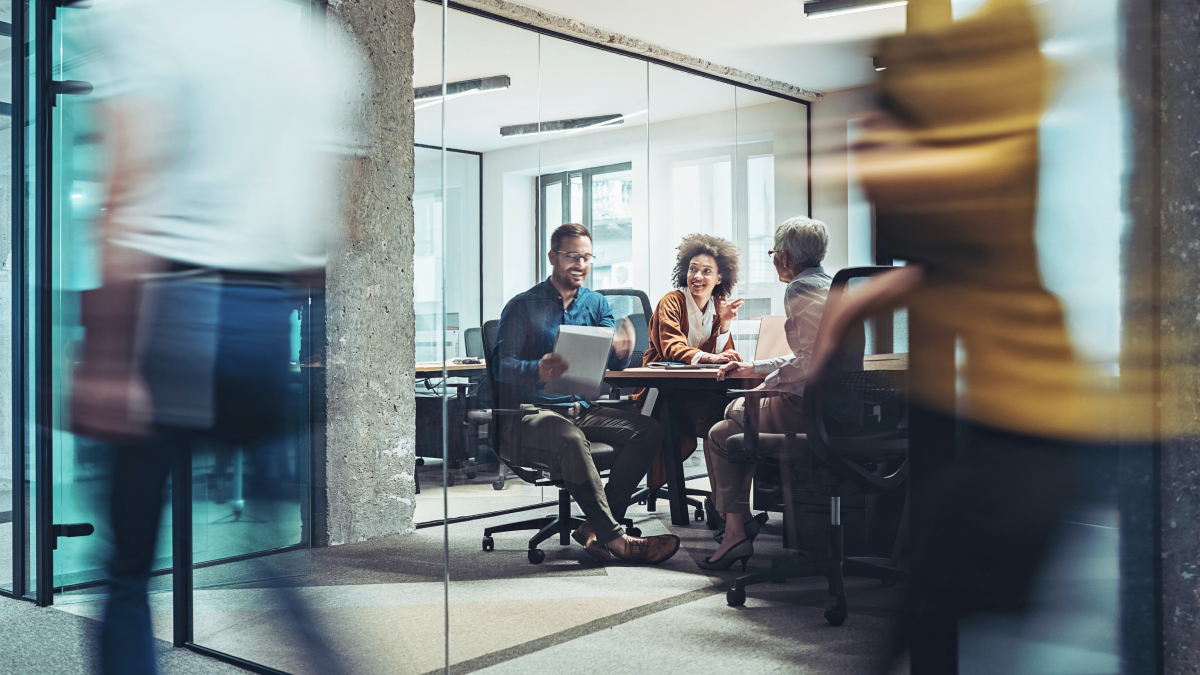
(551, 79)
(772, 38)
(554, 79)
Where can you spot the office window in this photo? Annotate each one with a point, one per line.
(760, 217)
(601, 199)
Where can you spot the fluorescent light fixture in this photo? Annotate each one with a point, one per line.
(613, 122)
(820, 9)
(424, 97)
(555, 126)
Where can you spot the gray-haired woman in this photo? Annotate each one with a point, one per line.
(800, 245)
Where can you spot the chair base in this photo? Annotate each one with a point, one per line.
(643, 495)
(562, 524)
(834, 568)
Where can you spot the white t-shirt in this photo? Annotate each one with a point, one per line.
(248, 105)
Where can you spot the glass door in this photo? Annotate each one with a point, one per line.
(79, 467)
(9, 481)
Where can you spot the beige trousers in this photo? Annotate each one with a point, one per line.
(731, 481)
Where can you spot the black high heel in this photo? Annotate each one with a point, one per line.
(752, 527)
(740, 552)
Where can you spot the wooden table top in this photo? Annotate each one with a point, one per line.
(674, 374)
(871, 362)
(436, 366)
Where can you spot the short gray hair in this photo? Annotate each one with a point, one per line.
(805, 240)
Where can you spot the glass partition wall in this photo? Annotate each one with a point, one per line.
(515, 132)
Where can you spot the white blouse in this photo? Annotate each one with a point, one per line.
(700, 324)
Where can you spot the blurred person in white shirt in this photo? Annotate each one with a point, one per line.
(224, 121)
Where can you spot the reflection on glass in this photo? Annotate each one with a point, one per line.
(6, 317)
(81, 467)
(27, 485)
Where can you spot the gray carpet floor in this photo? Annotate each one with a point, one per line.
(380, 607)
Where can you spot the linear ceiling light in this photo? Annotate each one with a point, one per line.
(561, 125)
(609, 123)
(424, 97)
(820, 9)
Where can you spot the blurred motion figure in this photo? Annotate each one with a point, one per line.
(219, 203)
(950, 160)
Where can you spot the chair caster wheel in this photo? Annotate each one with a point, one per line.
(498, 485)
(633, 531)
(735, 597)
(536, 556)
(699, 515)
(836, 615)
(888, 581)
(489, 544)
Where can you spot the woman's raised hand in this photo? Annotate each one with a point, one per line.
(728, 309)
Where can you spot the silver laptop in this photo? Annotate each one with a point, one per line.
(772, 339)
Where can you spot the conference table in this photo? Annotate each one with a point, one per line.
(669, 381)
(434, 368)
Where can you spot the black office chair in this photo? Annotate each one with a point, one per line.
(635, 305)
(505, 434)
(855, 442)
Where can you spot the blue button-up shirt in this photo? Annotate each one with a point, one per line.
(528, 328)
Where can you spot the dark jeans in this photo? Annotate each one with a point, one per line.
(560, 436)
(249, 394)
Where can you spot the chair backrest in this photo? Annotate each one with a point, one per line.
(635, 305)
(853, 415)
(501, 429)
(473, 340)
(487, 335)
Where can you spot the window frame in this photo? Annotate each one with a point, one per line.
(563, 178)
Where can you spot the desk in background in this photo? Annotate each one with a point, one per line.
(429, 426)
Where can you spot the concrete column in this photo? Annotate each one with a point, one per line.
(370, 413)
(1179, 272)
(1160, 480)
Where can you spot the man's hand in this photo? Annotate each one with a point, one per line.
(624, 339)
(728, 310)
(734, 369)
(551, 366)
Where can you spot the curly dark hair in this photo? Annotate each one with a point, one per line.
(724, 252)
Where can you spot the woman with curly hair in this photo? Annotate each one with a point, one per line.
(691, 325)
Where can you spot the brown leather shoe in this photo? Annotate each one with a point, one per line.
(586, 537)
(650, 550)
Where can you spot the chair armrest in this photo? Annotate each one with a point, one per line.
(770, 447)
(753, 394)
(508, 412)
(613, 403)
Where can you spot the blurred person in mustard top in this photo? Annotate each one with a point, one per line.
(951, 162)
(691, 325)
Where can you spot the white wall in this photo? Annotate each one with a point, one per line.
(830, 117)
(777, 128)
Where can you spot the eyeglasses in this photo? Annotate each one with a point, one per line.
(574, 257)
(771, 254)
